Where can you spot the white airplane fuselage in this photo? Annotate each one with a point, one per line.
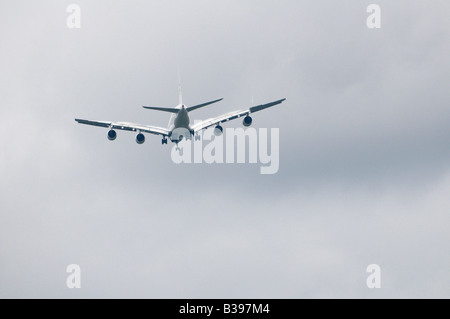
(179, 125)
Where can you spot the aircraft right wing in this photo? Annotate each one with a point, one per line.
(127, 127)
(233, 115)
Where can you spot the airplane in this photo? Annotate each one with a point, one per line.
(179, 124)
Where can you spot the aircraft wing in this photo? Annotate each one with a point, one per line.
(233, 115)
(127, 127)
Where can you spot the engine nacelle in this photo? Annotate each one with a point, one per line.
(112, 135)
(247, 121)
(218, 130)
(140, 138)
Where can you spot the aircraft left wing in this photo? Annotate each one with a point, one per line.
(127, 126)
(233, 115)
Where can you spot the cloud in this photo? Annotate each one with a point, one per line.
(363, 177)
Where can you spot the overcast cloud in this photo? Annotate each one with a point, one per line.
(364, 150)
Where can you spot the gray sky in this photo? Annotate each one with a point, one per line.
(364, 150)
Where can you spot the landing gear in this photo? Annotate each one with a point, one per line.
(197, 137)
(164, 141)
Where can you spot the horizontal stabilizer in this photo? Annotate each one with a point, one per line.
(163, 109)
(202, 105)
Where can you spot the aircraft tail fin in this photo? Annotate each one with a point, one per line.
(202, 105)
(180, 93)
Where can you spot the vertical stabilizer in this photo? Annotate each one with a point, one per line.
(180, 93)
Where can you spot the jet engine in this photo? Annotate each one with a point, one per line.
(140, 138)
(112, 135)
(247, 121)
(218, 130)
